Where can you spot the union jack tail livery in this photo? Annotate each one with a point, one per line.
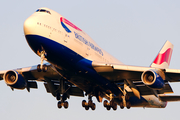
(163, 58)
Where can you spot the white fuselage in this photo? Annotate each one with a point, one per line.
(49, 26)
(53, 26)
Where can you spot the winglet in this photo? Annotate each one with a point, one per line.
(163, 58)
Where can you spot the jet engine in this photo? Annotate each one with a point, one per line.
(14, 79)
(153, 79)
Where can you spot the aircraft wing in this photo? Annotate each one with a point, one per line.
(31, 75)
(122, 74)
(117, 73)
(169, 98)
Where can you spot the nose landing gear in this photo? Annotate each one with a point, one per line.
(42, 67)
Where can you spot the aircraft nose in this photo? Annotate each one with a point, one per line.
(29, 26)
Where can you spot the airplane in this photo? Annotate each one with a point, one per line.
(77, 66)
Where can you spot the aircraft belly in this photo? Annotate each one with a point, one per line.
(63, 57)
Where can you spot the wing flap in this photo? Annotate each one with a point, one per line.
(169, 98)
(173, 75)
(32, 84)
(144, 90)
(75, 91)
(118, 72)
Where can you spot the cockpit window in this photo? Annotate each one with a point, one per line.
(43, 10)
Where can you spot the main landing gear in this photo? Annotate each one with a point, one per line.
(42, 67)
(62, 102)
(89, 104)
(62, 95)
(109, 105)
(124, 101)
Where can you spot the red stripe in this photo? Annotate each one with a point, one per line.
(69, 23)
(164, 57)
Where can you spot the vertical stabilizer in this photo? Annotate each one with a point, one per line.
(163, 58)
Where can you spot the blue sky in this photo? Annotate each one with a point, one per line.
(133, 31)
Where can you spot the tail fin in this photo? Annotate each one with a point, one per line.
(163, 58)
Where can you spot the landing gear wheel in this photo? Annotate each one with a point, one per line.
(111, 103)
(120, 96)
(128, 105)
(83, 103)
(39, 68)
(127, 97)
(86, 107)
(64, 97)
(93, 107)
(44, 68)
(114, 106)
(105, 103)
(90, 103)
(121, 105)
(66, 104)
(59, 104)
(58, 97)
(108, 107)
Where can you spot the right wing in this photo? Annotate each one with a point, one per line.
(26, 78)
(169, 98)
(119, 74)
(132, 75)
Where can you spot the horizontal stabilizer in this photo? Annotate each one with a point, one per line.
(169, 98)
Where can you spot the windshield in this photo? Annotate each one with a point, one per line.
(43, 10)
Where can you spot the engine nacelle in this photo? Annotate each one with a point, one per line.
(14, 80)
(153, 79)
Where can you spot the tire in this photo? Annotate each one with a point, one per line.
(90, 103)
(39, 68)
(44, 68)
(66, 104)
(58, 97)
(111, 103)
(127, 97)
(108, 108)
(114, 106)
(121, 105)
(64, 97)
(59, 105)
(120, 96)
(128, 105)
(83, 103)
(105, 103)
(86, 107)
(93, 106)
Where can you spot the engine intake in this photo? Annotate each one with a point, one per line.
(153, 79)
(14, 79)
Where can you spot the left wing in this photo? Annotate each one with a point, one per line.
(153, 80)
(169, 98)
(134, 75)
(116, 73)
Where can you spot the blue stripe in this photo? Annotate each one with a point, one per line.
(62, 56)
(66, 28)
